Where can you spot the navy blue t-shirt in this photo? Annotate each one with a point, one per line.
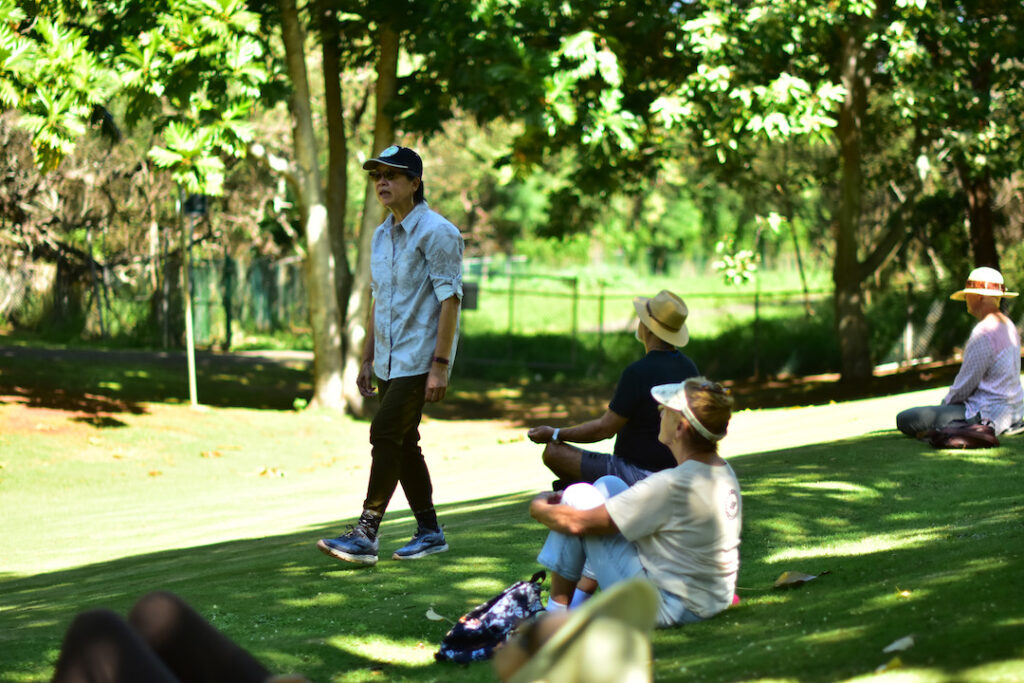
(637, 441)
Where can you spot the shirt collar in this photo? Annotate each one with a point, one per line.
(410, 222)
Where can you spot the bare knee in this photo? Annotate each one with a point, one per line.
(549, 457)
(563, 459)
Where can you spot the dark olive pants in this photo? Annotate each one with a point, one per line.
(395, 446)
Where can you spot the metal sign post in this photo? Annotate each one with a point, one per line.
(193, 207)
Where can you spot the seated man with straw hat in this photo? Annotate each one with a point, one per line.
(987, 388)
(632, 415)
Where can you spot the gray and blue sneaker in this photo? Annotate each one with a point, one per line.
(424, 542)
(353, 546)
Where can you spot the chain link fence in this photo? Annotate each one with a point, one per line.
(231, 299)
(510, 318)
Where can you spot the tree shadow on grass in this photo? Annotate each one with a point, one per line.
(101, 383)
(917, 542)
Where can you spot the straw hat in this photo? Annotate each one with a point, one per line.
(984, 281)
(665, 316)
(607, 640)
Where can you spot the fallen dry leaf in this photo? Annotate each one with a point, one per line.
(271, 472)
(795, 579)
(894, 663)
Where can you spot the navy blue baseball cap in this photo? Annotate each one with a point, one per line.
(397, 157)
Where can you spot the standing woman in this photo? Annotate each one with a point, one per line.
(412, 331)
(679, 528)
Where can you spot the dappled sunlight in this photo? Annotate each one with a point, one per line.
(1005, 671)
(977, 566)
(385, 650)
(834, 635)
(842, 490)
(902, 596)
(993, 457)
(859, 547)
(488, 585)
(318, 600)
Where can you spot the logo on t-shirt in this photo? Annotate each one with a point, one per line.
(732, 504)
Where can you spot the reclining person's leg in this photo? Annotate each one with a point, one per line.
(190, 646)
(100, 647)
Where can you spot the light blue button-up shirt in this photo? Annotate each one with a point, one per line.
(415, 265)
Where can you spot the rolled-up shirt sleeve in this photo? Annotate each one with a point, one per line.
(443, 253)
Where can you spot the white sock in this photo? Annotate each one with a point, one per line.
(578, 598)
(556, 606)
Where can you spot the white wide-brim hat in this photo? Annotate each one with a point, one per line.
(984, 281)
(664, 315)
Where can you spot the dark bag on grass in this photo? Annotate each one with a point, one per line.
(477, 633)
(961, 435)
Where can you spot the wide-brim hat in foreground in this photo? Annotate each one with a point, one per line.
(664, 315)
(397, 157)
(984, 281)
(607, 640)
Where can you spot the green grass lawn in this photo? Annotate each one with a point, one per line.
(101, 502)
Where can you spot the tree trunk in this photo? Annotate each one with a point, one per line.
(318, 265)
(337, 159)
(979, 217)
(851, 323)
(359, 297)
(977, 185)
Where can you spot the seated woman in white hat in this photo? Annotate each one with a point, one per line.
(987, 389)
(678, 528)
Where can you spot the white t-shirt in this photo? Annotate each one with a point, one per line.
(685, 523)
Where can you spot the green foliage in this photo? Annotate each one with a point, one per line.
(16, 53)
(205, 60)
(195, 68)
(736, 267)
(53, 78)
(571, 250)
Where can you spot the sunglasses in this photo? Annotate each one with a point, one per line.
(386, 175)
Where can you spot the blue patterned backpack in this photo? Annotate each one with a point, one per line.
(477, 633)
